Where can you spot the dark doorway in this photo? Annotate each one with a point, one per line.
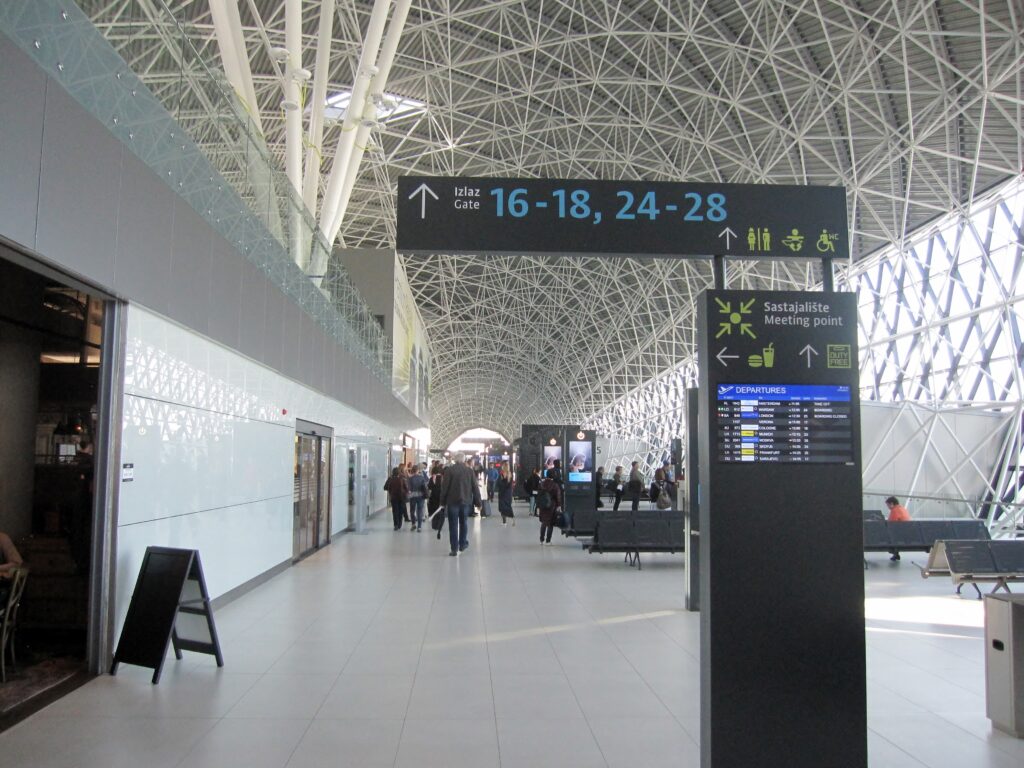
(311, 528)
(51, 337)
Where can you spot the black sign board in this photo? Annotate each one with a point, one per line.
(781, 582)
(170, 604)
(587, 216)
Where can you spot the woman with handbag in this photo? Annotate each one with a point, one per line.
(398, 490)
(549, 501)
(503, 485)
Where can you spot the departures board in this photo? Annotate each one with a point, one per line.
(784, 423)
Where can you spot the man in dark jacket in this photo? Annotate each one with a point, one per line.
(459, 493)
(532, 485)
(636, 485)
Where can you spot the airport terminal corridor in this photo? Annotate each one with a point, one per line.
(380, 650)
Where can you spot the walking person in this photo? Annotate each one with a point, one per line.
(619, 484)
(434, 489)
(398, 491)
(636, 485)
(460, 492)
(532, 486)
(492, 481)
(417, 495)
(503, 487)
(549, 501)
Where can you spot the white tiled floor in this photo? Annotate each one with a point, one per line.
(383, 651)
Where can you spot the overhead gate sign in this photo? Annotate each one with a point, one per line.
(445, 214)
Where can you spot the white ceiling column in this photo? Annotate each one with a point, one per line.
(315, 139)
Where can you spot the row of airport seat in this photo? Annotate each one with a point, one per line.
(997, 562)
(918, 535)
(631, 533)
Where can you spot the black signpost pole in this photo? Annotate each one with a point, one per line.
(781, 581)
(718, 271)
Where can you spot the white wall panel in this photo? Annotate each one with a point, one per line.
(235, 544)
(211, 436)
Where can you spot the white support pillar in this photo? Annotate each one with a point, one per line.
(235, 58)
(377, 86)
(228, 26)
(321, 72)
(292, 104)
(353, 115)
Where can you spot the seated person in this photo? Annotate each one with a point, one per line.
(897, 514)
(11, 560)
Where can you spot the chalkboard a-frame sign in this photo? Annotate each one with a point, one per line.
(170, 604)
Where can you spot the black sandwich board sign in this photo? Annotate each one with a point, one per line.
(170, 604)
(587, 216)
(782, 581)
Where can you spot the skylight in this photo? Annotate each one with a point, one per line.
(390, 107)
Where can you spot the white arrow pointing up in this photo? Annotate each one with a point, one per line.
(728, 234)
(808, 350)
(423, 190)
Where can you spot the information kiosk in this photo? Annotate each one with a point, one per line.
(541, 445)
(580, 503)
(781, 582)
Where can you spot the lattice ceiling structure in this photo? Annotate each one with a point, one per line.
(915, 106)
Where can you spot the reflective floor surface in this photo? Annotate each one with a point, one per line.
(383, 651)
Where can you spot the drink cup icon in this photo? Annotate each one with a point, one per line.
(768, 354)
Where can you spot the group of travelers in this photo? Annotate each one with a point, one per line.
(661, 492)
(411, 488)
(457, 488)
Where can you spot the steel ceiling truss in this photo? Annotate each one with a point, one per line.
(916, 107)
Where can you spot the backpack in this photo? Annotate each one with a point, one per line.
(664, 501)
(544, 500)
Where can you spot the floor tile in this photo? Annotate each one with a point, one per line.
(387, 653)
(367, 697)
(448, 744)
(348, 744)
(240, 743)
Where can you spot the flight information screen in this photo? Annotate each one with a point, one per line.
(784, 423)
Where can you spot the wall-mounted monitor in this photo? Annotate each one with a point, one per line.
(552, 453)
(581, 456)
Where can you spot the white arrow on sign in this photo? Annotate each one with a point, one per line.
(721, 357)
(727, 234)
(423, 190)
(808, 350)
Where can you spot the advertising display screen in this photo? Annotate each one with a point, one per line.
(581, 461)
(552, 453)
(784, 423)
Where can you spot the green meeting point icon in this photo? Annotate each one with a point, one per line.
(735, 318)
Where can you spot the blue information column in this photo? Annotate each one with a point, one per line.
(781, 567)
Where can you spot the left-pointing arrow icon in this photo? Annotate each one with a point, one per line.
(423, 190)
(721, 357)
